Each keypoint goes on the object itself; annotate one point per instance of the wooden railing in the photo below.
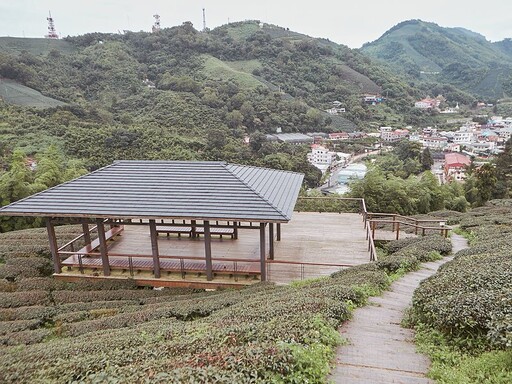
(72, 243)
(420, 226)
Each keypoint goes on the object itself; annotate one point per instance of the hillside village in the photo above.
(455, 149)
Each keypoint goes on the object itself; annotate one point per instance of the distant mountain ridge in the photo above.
(463, 58)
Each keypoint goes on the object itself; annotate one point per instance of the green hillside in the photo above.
(183, 94)
(14, 93)
(34, 46)
(456, 56)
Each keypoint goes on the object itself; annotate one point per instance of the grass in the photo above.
(217, 69)
(35, 46)
(14, 93)
(246, 66)
(468, 235)
(452, 366)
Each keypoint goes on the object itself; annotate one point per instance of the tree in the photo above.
(15, 183)
(485, 182)
(504, 172)
(426, 160)
(50, 169)
(406, 149)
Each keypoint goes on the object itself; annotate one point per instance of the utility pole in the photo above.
(204, 20)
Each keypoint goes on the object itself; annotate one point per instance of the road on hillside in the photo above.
(333, 178)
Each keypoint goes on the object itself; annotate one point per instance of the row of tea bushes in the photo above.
(408, 253)
(464, 312)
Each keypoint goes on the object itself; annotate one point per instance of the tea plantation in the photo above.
(51, 331)
(464, 312)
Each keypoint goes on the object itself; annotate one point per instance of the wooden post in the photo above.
(208, 250)
(86, 232)
(57, 267)
(397, 230)
(103, 247)
(278, 235)
(154, 248)
(373, 229)
(271, 241)
(193, 233)
(263, 263)
(235, 230)
(393, 229)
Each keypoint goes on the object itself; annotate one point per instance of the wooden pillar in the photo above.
(86, 232)
(397, 230)
(154, 248)
(208, 250)
(235, 230)
(271, 241)
(57, 267)
(263, 264)
(103, 247)
(278, 235)
(193, 233)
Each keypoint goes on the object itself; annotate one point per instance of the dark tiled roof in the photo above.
(169, 189)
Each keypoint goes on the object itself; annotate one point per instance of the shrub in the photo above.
(65, 296)
(42, 265)
(7, 286)
(18, 325)
(25, 337)
(467, 297)
(20, 299)
(43, 313)
(13, 272)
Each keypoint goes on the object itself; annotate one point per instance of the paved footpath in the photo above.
(380, 351)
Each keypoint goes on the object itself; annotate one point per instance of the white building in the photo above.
(465, 135)
(390, 135)
(321, 157)
(435, 142)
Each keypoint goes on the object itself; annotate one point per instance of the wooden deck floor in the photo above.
(328, 238)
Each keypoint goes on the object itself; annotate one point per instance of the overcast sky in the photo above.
(352, 23)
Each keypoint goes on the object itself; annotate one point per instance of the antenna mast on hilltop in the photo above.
(156, 26)
(52, 33)
(204, 20)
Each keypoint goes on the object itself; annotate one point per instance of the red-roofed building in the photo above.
(338, 136)
(455, 165)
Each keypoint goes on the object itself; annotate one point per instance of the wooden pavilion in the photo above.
(187, 200)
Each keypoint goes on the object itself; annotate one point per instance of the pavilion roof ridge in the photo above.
(230, 169)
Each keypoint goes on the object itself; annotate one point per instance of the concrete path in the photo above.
(379, 349)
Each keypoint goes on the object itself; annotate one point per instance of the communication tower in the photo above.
(204, 20)
(52, 33)
(156, 26)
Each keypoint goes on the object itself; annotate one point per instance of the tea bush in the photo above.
(407, 254)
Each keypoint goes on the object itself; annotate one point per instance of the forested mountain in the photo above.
(427, 52)
(184, 94)
(227, 70)
(181, 94)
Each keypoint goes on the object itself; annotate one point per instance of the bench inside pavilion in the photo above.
(166, 206)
